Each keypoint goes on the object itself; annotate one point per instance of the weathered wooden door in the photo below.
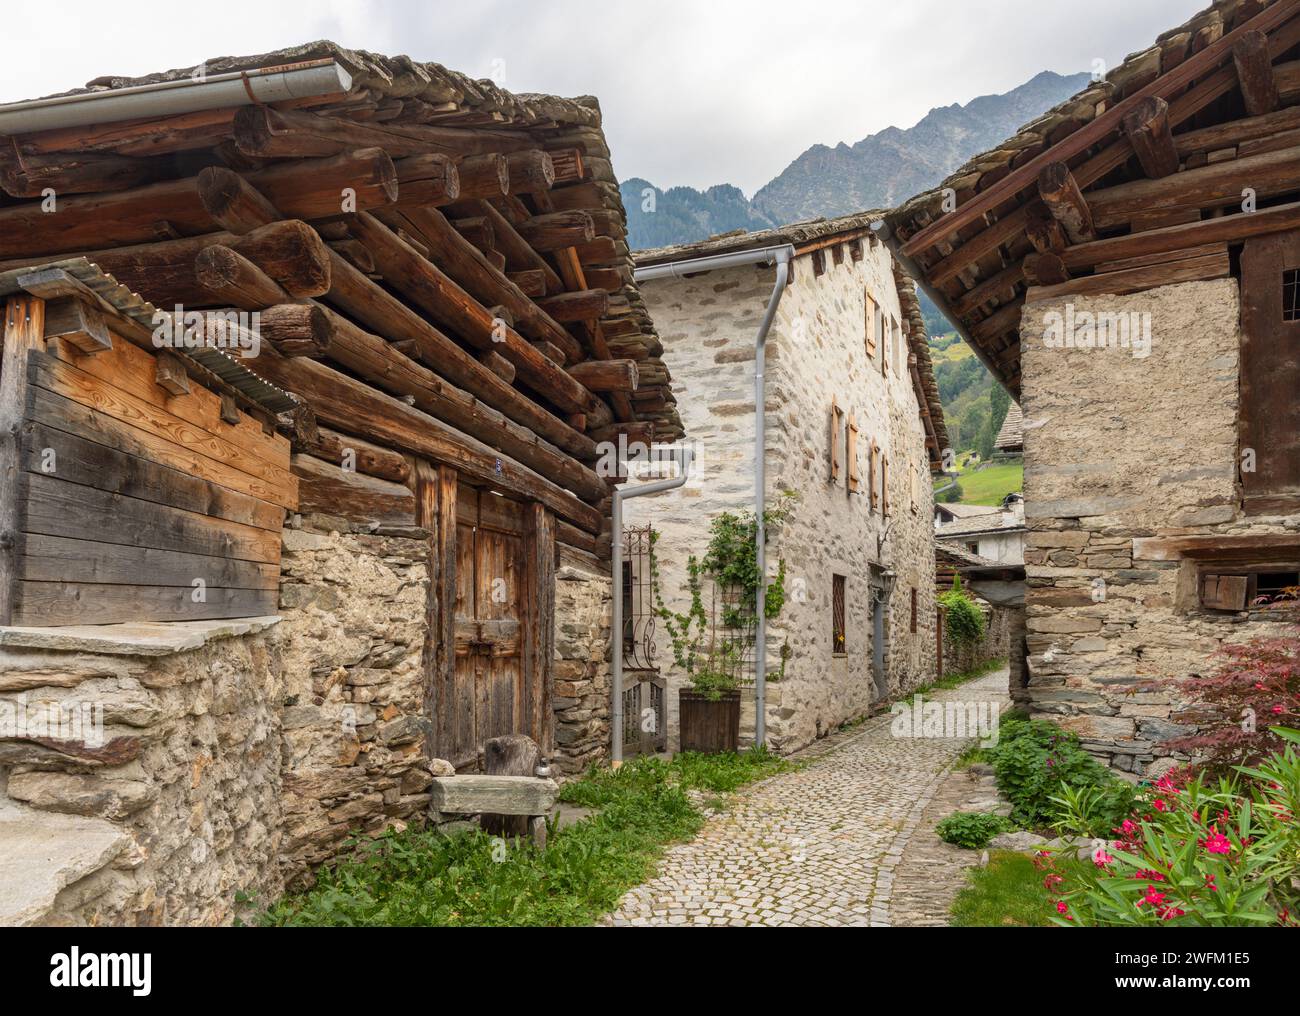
(488, 672)
(488, 661)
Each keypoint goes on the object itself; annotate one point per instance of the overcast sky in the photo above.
(694, 92)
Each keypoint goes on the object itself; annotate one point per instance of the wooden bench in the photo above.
(530, 797)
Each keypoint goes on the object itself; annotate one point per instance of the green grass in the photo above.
(1008, 893)
(424, 878)
(989, 486)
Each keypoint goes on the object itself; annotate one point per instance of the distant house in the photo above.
(996, 536)
(853, 426)
(1011, 438)
(946, 513)
(1127, 267)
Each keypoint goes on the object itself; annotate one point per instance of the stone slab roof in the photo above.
(1012, 435)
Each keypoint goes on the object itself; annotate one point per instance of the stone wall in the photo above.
(1123, 447)
(815, 354)
(581, 689)
(239, 755)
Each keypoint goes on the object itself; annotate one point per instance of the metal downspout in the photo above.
(783, 257)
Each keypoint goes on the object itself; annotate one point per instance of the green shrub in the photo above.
(965, 620)
(1033, 761)
(972, 829)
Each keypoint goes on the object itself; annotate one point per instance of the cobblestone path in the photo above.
(822, 846)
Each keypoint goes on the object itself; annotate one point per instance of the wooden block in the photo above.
(496, 795)
(170, 374)
(77, 323)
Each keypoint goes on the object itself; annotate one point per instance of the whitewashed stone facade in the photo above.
(816, 358)
(1124, 453)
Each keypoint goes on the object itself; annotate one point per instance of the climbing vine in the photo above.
(712, 653)
(965, 623)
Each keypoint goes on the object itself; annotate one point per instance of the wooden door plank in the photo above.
(539, 625)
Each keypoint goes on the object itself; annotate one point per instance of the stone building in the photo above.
(1126, 266)
(853, 428)
(266, 572)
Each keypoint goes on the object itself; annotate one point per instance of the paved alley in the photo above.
(822, 846)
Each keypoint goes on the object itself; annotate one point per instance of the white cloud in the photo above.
(693, 93)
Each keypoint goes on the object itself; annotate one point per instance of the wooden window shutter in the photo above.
(885, 339)
(819, 262)
(884, 483)
(872, 316)
(1224, 592)
(916, 490)
(875, 476)
(851, 453)
(837, 415)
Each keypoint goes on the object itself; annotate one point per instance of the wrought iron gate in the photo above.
(645, 717)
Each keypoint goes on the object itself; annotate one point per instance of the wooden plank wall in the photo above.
(130, 503)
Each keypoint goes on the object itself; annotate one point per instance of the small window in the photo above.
(973, 547)
(838, 643)
(1242, 591)
(913, 611)
(1291, 295)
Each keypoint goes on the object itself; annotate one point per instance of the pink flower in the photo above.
(1209, 884)
(1166, 785)
(1129, 827)
(1061, 908)
(1277, 710)
(1100, 858)
(1160, 804)
(1171, 912)
(1153, 897)
(1218, 843)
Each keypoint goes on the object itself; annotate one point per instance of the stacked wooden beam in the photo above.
(449, 280)
(1141, 180)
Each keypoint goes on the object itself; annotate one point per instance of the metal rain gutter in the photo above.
(169, 98)
(621, 495)
(783, 256)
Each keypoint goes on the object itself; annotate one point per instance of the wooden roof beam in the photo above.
(1064, 199)
(1148, 131)
(1255, 73)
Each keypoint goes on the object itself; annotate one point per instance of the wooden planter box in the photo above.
(708, 726)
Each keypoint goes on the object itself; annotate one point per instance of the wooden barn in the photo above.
(309, 303)
(1127, 267)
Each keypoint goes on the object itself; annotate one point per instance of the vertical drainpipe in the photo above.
(783, 258)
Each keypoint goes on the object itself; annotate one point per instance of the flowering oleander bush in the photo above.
(1197, 851)
(1257, 684)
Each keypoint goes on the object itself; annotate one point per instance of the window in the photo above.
(913, 611)
(838, 644)
(973, 546)
(819, 262)
(1291, 295)
(1241, 591)
(872, 316)
(885, 340)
